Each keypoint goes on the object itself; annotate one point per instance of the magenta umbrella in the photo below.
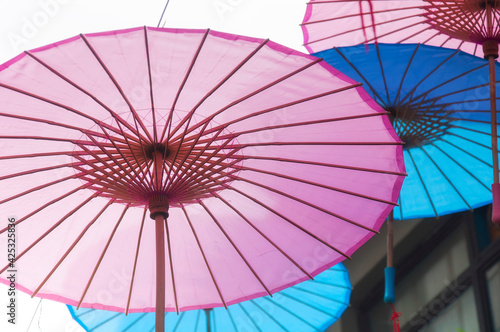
(267, 178)
(472, 26)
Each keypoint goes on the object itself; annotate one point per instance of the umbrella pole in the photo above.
(390, 271)
(207, 313)
(490, 50)
(160, 272)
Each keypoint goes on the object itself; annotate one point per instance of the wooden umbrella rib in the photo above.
(462, 167)
(189, 169)
(135, 261)
(249, 317)
(204, 256)
(106, 170)
(100, 103)
(305, 203)
(272, 109)
(72, 110)
(396, 99)
(253, 93)
(316, 184)
(298, 124)
(137, 118)
(41, 154)
(383, 73)
(135, 322)
(172, 275)
(446, 177)
(314, 163)
(370, 26)
(235, 247)
(467, 152)
(143, 178)
(241, 146)
(57, 124)
(75, 242)
(216, 87)
(357, 14)
(291, 313)
(469, 140)
(187, 120)
(423, 184)
(269, 315)
(102, 255)
(18, 221)
(38, 170)
(263, 235)
(168, 123)
(412, 91)
(291, 222)
(43, 186)
(318, 295)
(49, 231)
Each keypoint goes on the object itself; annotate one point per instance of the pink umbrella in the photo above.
(472, 26)
(266, 176)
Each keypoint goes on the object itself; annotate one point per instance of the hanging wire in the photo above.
(34, 314)
(163, 13)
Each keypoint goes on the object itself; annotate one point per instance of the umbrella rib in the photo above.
(32, 213)
(314, 163)
(467, 139)
(181, 317)
(396, 99)
(316, 184)
(383, 74)
(171, 266)
(356, 15)
(135, 322)
(48, 231)
(231, 319)
(44, 154)
(189, 170)
(313, 307)
(204, 256)
(291, 313)
(368, 26)
(215, 88)
(56, 124)
(268, 315)
(264, 236)
(462, 167)
(150, 79)
(298, 124)
(191, 113)
(102, 255)
(137, 118)
(75, 242)
(295, 102)
(43, 186)
(277, 81)
(467, 152)
(168, 124)
(304, 202)
(249, 317)
(316, 144)
(256, 275)
(135, 261)
(100, 103)
(37, 170)
(423, 184)
(373, 90)
(291, 222)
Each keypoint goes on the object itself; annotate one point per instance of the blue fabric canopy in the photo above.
(439, 102)
(313, 305)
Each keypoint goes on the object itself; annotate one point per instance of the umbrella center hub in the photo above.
(418, 126)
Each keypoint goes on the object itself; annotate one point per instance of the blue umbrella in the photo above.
(313, 305)
(439, 102)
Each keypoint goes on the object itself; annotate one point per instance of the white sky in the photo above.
(27, 24)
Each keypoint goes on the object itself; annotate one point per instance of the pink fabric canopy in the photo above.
(275, 167)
